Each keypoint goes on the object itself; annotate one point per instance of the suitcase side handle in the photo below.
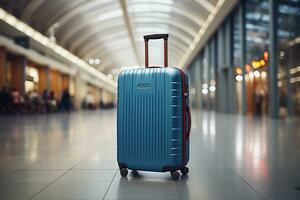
(155, 37)
(189, 123)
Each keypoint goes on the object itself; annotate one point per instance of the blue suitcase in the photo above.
(153, 118)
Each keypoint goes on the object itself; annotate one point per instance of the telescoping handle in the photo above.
(155, 37)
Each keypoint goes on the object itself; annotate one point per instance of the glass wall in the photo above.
(202, 90)
(205, 78)
(192, 84)
(221, 71)
(237, 63)
(257, 47)
(242, 42)
(288, 34)
(212, 72)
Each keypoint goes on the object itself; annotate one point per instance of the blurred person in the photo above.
(90, 100)
(101, 104)
(53, 104)
(15, 98)
(258, 101)
(4, 100)
(26, 104)
(65, 101)
(45, 97)
(296, 100)
(35, 100)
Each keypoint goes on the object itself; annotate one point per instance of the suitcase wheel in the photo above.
(123, 172)
(135, 172)
(175, 175)
(185, 170)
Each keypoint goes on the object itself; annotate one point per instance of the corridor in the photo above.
(61, 156)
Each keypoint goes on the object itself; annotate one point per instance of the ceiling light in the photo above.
(153, 1)
(97, 61)
(44, 41)
(11, 20)
(148, 7)
(28, 31)
(212, 88)
(37, 36)
(205, 85)
(264, 74)
(109, 76)
(21, 27)
(2, 14)
(205, 91)
(239, 78)
(33, 34)
(193, 91)
(251, 75)
(91, 61)
(256, 74)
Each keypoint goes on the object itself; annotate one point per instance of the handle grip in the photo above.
(155, 37)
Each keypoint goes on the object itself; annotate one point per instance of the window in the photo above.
(257, 55)
(236, 56)
(288, 34)
(32, 78)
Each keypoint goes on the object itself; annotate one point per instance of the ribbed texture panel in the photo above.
(144, 130)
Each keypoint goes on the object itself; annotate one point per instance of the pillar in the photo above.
(2, 67)
(273, 89)
(18, 65)
(97, 95)
(65, 81)
(243, 55)
(199, 70)
(80, 90)
(44, 79)
(56, 82)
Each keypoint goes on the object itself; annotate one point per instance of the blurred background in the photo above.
(242, 56)
(59, 63)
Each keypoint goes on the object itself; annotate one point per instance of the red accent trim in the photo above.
(184, 118)
(190, 122)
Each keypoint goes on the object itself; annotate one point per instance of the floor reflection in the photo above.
(231, 157)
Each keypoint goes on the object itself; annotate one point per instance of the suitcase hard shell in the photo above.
(153, 119)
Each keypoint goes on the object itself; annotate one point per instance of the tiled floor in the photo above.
(73, 156)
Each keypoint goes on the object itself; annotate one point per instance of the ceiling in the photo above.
(112, 30)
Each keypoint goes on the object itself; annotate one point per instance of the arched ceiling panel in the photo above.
(190, 31)
(83, 8)
(94, 33)
(48, 8)
(97, 44)
(178, 36)
(109, 17)
(113, 29)
(188, 12)
(81, 39)
(94, 43)
(30, 8)
(166, 16)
